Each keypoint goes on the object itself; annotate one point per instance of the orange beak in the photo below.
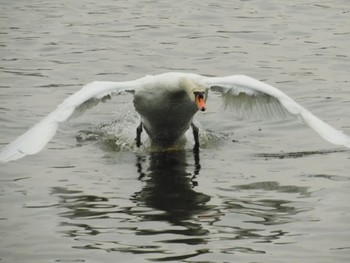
(200, 101)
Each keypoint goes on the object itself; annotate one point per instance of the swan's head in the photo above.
(200, 100)
(197, 93)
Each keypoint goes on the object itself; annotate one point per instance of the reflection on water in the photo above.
(190, 219)
(263, 211)
(169, 187)
(267, 211)
(167, 195)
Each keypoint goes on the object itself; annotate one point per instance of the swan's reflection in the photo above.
(169, 186)
(258, 211)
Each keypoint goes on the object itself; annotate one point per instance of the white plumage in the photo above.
(166, 103)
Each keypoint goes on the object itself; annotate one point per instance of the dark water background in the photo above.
(258, 191)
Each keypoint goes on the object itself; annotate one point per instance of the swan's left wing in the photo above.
(35, 139)
(244, 92)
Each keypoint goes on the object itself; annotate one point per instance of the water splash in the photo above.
(119, 135)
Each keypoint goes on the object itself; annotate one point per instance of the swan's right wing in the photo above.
(243, 91)
(35, 139)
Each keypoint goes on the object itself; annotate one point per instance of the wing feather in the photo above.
(244, 93)
(35, 139)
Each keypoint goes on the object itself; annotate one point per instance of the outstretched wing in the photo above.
(244, 93)
(35, 139)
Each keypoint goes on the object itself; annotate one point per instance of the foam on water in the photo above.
(119, 135)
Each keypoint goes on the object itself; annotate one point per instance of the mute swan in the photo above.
(167, 103)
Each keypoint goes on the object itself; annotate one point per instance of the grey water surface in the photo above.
(258, 190)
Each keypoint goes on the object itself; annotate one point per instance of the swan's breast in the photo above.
(166, 114)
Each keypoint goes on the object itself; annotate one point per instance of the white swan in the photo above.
(167, 104)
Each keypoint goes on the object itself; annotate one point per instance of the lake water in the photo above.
(258, 191)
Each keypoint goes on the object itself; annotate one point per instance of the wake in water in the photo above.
(294, 155)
